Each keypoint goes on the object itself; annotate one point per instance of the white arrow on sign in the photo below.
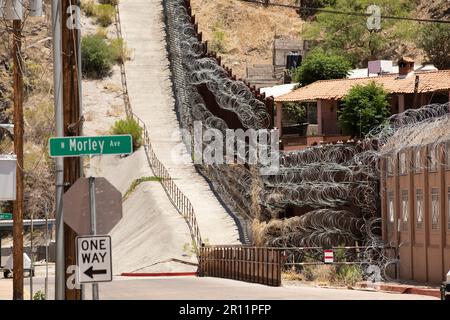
(94, 259)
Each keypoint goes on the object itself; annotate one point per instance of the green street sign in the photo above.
(85, 146)
(5, 216)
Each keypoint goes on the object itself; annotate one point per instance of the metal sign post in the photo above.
(93, 226)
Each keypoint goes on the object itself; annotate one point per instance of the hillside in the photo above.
(247, 30)
(243, 33)
(38, 112)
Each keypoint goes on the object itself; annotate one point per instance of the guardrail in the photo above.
(250, 264)
(176, 196)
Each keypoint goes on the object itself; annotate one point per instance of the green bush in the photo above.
(348, 275)
(96, 56)
(39, 295)
(88, 6)
(105, 14)
(434, 39)
(102, 32)
(129, 126)
(319, 65)
(119, 50)
(217, 43)
(365, 107)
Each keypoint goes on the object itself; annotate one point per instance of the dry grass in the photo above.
(248, 29)
(325, 275)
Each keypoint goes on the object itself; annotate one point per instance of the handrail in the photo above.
(179, 200)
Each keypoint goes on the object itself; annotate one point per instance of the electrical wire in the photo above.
(349, 13)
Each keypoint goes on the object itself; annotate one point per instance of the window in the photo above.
(434, 208)
(311, 112)
(417, 161)
(419, 208)
(405, 206)
(390, 165)
(432, 158)
(405, 209)
(391, 213)
(447, 155)
(448, 209)
(402, 163)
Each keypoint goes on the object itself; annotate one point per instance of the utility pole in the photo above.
(18, 148)
(72, 116)
(59, 124)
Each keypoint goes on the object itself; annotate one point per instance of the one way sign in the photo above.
(94, 259)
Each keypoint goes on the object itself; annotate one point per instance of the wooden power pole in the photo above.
(18, 148)
(72, 119)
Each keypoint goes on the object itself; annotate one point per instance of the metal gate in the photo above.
(250, 264)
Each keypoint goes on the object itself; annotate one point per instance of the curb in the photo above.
(403, 289)
(159, 274)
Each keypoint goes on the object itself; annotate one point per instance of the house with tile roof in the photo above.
(407, 89)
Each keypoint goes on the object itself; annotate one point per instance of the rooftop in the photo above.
(430, 81)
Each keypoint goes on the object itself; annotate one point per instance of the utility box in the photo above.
(380, 67)
(8, 178)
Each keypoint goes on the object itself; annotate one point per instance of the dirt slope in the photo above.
(248, 29)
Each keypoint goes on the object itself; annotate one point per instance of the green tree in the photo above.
(434, 39)
(348, 34)
(365, 107)
(321, 66)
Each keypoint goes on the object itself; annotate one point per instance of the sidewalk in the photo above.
(149, 85)
(405, 288)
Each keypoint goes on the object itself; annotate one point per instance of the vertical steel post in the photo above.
(59, 120)
(46, 251)
(31, 257)
(93, 214)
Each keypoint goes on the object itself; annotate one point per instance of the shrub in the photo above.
(365, 107)
(95, 56)
(129, 126)
(119, 50)
(105, 14)
(39, 295)
(218, 41)
(321, 66)
(434, 39)
(102, 33)
(348, 275)
(88, 6)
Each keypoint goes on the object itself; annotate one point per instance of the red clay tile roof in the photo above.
(336, 89)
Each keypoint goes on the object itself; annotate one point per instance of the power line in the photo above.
(350, 13)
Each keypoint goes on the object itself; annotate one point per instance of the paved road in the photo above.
(149, 85)
(192, 288)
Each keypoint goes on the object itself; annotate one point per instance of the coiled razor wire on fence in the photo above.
(335, 185)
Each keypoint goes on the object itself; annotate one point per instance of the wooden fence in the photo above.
(250, 264)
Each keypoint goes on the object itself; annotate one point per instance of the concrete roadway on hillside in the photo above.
(193, 288)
